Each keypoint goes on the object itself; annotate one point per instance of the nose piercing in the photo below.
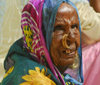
(64, 41)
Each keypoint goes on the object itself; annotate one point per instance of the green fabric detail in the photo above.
(22, 64)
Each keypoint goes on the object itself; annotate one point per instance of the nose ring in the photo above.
(64, 41)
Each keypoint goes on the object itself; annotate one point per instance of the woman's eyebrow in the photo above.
(60, 22)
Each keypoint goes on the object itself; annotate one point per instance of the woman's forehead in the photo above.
(66, 13)
(65, 7)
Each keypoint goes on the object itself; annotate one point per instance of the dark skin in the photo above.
(96, 5)
(66, 23)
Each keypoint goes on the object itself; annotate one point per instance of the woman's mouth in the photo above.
(69, 53)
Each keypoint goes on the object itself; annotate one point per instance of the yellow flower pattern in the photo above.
(69, 83)
(8, 72)
(28, 36)
(37, 77)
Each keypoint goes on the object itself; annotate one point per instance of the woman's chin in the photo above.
(72, 63)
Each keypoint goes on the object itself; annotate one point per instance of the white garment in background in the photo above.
(90, 20)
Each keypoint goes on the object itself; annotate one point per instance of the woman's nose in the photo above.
(68, 42)
(72, 33)
(74, 36)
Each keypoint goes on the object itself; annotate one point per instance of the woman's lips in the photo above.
(72, 53)
(69, 53)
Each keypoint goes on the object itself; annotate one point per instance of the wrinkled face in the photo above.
(66, 37)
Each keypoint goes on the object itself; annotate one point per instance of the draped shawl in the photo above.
(37, 23)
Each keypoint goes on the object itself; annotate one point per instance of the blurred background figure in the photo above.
(89, 13)
(10, 31)
(95, 4)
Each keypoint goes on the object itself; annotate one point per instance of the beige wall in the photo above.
(10, 27)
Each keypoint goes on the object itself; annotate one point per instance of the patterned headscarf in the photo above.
(37, 23)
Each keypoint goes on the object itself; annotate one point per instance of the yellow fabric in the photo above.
(9, 71)
(37, 77)
(28, 36)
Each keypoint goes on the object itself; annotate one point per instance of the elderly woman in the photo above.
(50, 46)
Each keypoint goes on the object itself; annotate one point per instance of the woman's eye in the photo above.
(74, 26)
(59, 28)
